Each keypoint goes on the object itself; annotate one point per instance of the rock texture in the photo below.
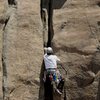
(3, 5)
(76, 25)
(76, 39)
(22, 50)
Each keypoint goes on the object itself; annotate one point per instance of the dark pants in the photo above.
(48, 89)
(61, 85)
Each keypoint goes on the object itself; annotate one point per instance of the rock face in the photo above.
(76, 25)
(22, 50)
(76, 39)
(2, 21)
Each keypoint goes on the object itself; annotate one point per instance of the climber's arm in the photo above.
(59, 63)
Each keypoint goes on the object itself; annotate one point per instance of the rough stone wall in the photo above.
(3, 7)
(76, 39)
(22, 49)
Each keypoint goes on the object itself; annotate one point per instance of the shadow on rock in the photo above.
(41, 91)
(95, 63)
(98, 93)
(57, 4)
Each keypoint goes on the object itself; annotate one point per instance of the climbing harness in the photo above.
(53, 74)
(56, 79)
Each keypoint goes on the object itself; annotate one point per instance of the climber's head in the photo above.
(49, 51)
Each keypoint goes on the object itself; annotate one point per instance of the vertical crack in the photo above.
(47, 14)
(4, 63)
(41, 90)
(12, 2)
(6, 21)
(4, 80)
(48, 6)
(50, 23)
(43, 16)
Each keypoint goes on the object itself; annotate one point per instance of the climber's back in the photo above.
(50, 60)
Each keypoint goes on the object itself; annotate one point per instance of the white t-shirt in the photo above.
(50, 61)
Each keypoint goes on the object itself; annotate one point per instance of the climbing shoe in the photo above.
(58, 91)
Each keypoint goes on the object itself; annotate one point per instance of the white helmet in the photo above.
(49, 50)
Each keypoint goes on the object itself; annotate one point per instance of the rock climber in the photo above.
(51, 61)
